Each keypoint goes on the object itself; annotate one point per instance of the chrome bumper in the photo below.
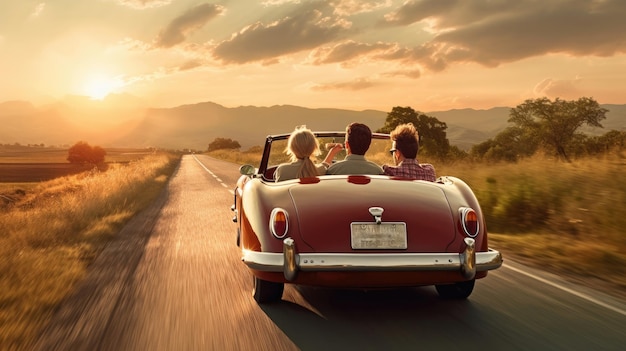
(290, 262)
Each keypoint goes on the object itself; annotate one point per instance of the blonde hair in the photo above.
(303, 144)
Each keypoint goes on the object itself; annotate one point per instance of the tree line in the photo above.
(551, 126)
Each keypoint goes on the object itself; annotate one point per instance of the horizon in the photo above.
(105, 102)
(192, 126)
(365, 55)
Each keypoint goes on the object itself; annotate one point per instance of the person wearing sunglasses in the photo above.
(405, 144)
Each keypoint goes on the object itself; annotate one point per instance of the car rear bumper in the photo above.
(290, 262)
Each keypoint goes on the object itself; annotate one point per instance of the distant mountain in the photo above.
(122, 121)
(467, 127)
(195, 126)
(9, 108)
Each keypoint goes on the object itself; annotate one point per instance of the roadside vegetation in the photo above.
(563, 217)
(53, 230)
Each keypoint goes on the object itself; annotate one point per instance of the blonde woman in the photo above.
(301, 147)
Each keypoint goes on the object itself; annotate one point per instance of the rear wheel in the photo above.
(456, 291)
(265, 291)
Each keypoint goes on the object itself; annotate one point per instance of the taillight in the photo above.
(279, 223)
(469, 221)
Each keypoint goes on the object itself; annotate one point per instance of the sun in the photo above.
(97, 88)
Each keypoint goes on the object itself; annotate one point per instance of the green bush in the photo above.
(523, 208)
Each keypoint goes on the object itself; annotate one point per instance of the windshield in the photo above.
(378, 151)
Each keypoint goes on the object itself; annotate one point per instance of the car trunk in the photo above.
(325, 211)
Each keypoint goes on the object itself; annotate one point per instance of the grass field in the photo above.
(53, 230)
(59, 155)
(29, 164)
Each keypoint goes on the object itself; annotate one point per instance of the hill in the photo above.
(120, 121)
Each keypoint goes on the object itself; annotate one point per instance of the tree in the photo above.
(432, 132)
(613, 140)
(509, 145)
(83, 153)
(223, 143)
(555, 123)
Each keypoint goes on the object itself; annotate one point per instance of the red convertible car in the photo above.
(358, 231)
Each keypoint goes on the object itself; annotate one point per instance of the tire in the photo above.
(266, 292)
(456, 291)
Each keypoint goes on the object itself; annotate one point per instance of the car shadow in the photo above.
(389, 319)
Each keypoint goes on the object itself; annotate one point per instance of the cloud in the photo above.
(38, 10)
(409, 73)
(353, 7)
(448, 14)
(565, 89)
(279, 2)
(191, 64)
(144, 4)
(341, 7)
(492, 33)
(309, 27)
(181, 27)
(358, 84)
(350, 50)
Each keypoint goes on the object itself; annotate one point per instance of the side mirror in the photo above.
(247, 170)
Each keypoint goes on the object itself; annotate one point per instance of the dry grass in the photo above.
(240, 158)
(59, 155)
(568, 218)
(51, 235)
(595, 264)
(584, 199)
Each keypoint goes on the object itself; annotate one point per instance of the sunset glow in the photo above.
(372, 54)
(99, 87)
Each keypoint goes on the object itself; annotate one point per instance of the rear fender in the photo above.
(464, 197)
(259, 198)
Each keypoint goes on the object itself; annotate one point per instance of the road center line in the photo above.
(211, 173)
(570, 291)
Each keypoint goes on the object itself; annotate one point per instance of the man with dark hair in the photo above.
(358, 140)
(405, 144)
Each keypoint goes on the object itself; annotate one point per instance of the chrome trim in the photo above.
(290, 267)
(468, 259)
(290, 262)
(377, 213)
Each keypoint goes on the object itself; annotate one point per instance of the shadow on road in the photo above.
(375, 319)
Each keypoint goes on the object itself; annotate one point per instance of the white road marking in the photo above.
(211, 173)
(568, 290)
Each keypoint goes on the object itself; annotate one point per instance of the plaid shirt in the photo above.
(410, 168)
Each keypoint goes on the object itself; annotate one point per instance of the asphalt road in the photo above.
(174, 281)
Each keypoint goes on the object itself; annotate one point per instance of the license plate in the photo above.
(387, 235)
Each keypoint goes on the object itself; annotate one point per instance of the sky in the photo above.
(431, 55)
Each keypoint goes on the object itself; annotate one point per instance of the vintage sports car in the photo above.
(358, 231)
